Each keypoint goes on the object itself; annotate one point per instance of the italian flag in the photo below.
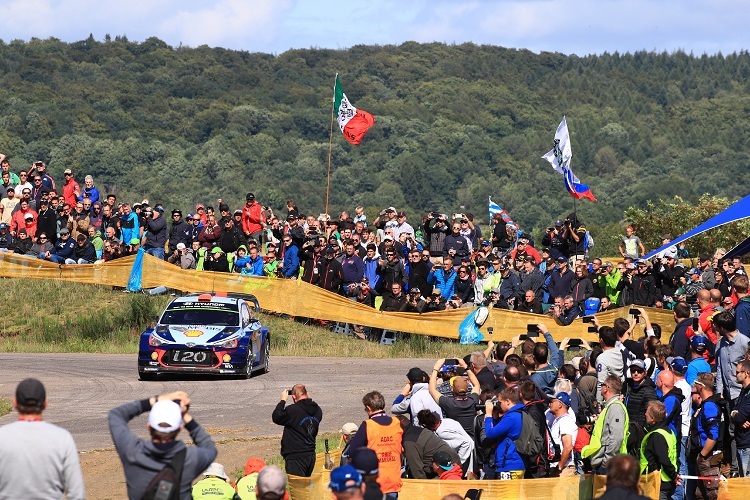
(354, 123)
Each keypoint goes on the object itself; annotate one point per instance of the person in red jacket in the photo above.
(71, 188)
(253, 218)
(444, 467)
(18, 220)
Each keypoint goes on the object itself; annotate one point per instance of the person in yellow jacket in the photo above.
(247, 484)
(214, 485)
(659, 449)
(610, 434)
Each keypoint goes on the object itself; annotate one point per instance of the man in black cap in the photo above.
(253, 218)
(708, 275)
(179, 232)
(37, 459)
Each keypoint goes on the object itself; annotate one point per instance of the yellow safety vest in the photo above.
(671, 440)
(596, 436)
(246, 486)
(213, 488)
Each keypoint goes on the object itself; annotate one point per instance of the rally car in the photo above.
(207, 333)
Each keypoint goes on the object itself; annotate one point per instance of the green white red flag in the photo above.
(354, 123)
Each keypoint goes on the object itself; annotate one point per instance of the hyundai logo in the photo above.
(190, 344)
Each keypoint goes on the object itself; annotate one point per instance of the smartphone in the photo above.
(696, 325)
(634, 312)
(490, 330)
(592, 329)
(523, 337)
(450, 362)
(288, 392)
(532, 328)
(586, 319)
(575, 343)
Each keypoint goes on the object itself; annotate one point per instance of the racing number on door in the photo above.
(189, 356)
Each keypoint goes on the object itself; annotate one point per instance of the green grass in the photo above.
(56, 316)
(5, 406)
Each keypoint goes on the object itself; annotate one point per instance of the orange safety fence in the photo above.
(298, 298)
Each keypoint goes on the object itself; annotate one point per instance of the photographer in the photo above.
(554, 240)
(436, 229)
(143, 459)
(181, 257)
(312, 260)
(456, 245)
(415, 302)
(216, 260)
(461, 407)
(434, 302)
(574, 233)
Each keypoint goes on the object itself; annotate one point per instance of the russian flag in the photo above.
(495, 208)
(575, 188)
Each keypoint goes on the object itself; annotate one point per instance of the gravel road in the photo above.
(82, 388)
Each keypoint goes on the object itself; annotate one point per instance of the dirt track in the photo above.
(82, 388)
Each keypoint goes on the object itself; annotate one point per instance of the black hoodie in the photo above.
(301, 421)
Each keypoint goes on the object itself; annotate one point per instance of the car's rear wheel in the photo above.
(147, 376)
(267, 356)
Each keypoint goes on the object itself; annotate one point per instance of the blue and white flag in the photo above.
(497, 209)
(559, 157)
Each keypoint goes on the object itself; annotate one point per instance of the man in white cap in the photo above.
(143, 459)
(37, 459)
(214, 485)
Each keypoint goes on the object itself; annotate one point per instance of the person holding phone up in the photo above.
(301, 421)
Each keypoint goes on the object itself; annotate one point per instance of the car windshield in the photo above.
(202, 316)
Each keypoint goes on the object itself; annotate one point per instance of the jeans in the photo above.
(157, 252)
(57, 259)
(679, 492)
(743, 461)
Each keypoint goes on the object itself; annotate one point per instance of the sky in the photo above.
(274, 26)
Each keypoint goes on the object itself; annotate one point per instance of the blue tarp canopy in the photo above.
(740, 250)
(733, 213)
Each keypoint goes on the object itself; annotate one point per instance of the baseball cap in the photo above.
(64, 230)
(576, 362)
(390, 209)
(134, 241)
(485, 242)
(443, 459)
(165, 416)
(698, 343)
(28, 216)
(67, 171)
(177, 211)
(415, 290)
(249, 196)
(349, 429)
(254, 464)
(695, 270)
(563, 397)
(344, 478)
(562, 259)
(330, 249)
(272, 480)
(181, 246)
(638, 364)
(495, 290)
(365, 460)
(159, 209)
(415, 375)
(388, 237)
(199, 205)
(30, 392)
(291, 217)
(678, 364)
(215, 469)
(558, 223)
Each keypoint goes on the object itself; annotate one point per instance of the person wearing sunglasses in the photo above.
(740, 417)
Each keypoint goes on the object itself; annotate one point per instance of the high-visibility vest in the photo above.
(385, 440)
(246, 486)
(671, 440)
(596, 436)
(214, 488)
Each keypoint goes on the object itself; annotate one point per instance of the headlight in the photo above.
(231, 343)
(155, 341)
(228, 330)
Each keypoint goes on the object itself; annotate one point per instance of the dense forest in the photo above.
(454, 125)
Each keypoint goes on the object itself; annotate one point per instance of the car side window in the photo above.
(245, 315)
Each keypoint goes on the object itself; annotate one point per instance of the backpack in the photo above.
(530, 442)
(165, 485)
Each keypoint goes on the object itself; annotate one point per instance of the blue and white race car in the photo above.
(205, 333)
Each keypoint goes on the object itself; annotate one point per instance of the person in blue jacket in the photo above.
(64, 248)
(251, 265)
(89, 191)
(444, 279)
(697, 364)
(129, 224)
(503, 428)
(291, 258)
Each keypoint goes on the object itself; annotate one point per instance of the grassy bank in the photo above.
(5, 406)
(53, 316)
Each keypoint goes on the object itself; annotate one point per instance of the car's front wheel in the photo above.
(267, 356)
(249, 365)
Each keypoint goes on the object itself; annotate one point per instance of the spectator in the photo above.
(558, 246)
(348, 431)
(610, 434)
(346, 483)
(740, 416)
(366, 462)
(672, 397)
(301, 421)
(214, 485)
(581, 287)
(622, 479)
(445, 467)
(452, 433)
(290, 268)
(271, 484)
(89, 191)
(456, 247)
(561, 280)
(569, 312)
(482, 283)
(502, 425)
(706, 437)
(247, 484)
(461, 407)
(85, 253)
(415, 396)
(253, 218)
(729, 352)
(143, 459)
(231, 237)
(742, 309)
(697, 364)
(610, 361)
(382, 434)
(478, 365)
(530, 304)
(436, 229)
(679, 340)
(391, 270)
(129, 224)
(563, 431)
(546, 361)
(531, 279)
(29, 441)
(394, 300)
(510, 288)
(631, 245)
(658, 451)
(444, 278)
(182, 257)
(420, 445)
(353, 268)
(639, 391)
(64, 248)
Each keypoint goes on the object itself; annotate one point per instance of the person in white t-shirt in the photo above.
(563, 429)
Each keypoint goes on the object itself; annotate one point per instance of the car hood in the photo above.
(196, 334)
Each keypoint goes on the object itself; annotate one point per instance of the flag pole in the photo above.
(330, 146)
